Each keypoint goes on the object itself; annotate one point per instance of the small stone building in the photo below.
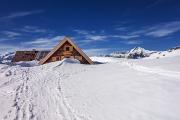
(25, 56)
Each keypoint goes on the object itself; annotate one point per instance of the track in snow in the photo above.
(40, 96)
(23, 102)
(152, 70)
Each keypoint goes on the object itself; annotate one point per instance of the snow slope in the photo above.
(6, 57)
(120, 89)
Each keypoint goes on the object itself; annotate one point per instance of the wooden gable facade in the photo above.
(66, 49)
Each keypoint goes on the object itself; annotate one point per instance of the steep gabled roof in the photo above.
(42, 61)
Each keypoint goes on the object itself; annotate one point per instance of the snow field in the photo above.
(119, 89)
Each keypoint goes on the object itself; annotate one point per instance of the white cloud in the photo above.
(4, 39)
(159, 30)
(43, 43)
(11, 34)
(139, 32)
(96, 37)
(84, 32)
(91, 36)
(45, 40)
(39, 41)
(126, 37)
(133, 42)
(164, 29)
(160, 33)
(20, 14)
(33, 29)
(121, 28)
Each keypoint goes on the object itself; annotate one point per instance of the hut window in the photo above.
(62, 57)
(78, 57)
(71, 48)
(67, 48)
(53, 59)
(57, 58)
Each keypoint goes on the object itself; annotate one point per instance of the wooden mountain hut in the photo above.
(66, 49)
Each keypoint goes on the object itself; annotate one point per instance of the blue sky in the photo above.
(96, 26)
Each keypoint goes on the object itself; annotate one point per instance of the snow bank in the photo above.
(27, 63)
(70, 61)
(104, 59)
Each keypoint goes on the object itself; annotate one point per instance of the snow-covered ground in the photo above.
(119, 89)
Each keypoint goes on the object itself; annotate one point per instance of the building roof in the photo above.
(42, 61)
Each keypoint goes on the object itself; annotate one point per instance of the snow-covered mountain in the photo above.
(139, 52)
(134, 53)
(6, 57)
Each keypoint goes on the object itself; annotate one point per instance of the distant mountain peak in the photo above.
(136, 52)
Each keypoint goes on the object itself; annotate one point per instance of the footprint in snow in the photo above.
(8, 73)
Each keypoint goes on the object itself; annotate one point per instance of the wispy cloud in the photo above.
(133, 42)
(164, 29)
(96, 37)
(83, 32)
(3, 39)
(11, 34)
(159, 30)
(20, 14)
(43, 43)
(92, 36)
(126, 37)
(23, 32)
(121, 28)
(33, 29)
